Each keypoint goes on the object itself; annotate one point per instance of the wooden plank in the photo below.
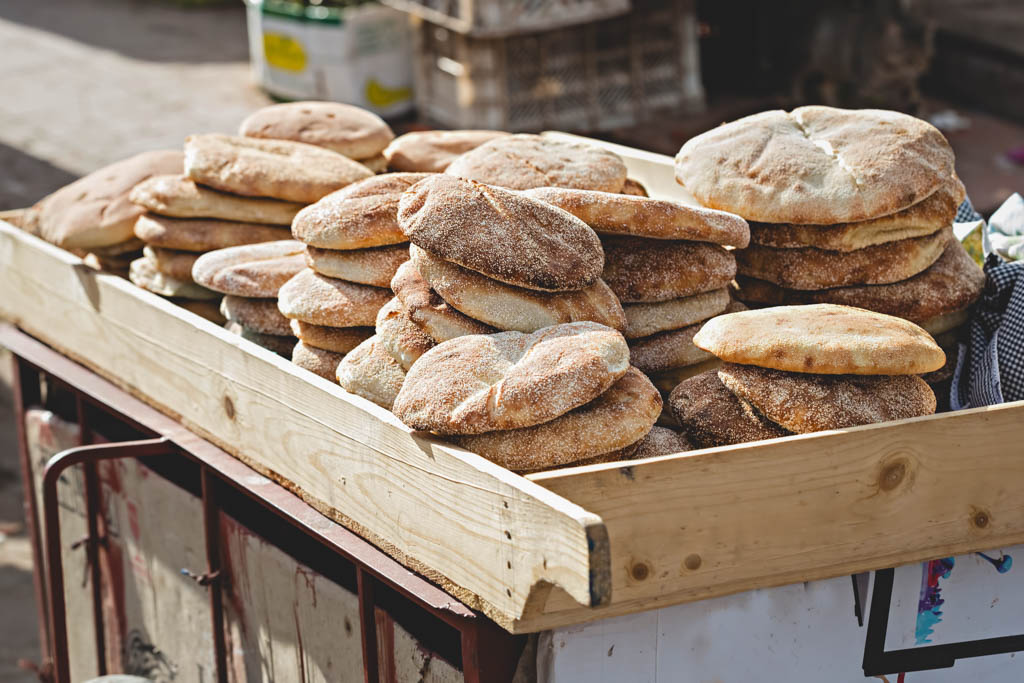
(803, 508)
(492, 538)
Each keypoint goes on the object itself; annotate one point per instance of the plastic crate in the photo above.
(597, 76)
(493, 18)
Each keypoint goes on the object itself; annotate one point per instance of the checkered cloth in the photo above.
(965, 213)
(990, 366)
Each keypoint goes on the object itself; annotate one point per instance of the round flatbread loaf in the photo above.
(370, 371)
(948, 286)
(635, 188)
(364, 214)
(431, 151)
(374, 266)
(258, 315)
(661, 441)
(314, 298)
(199, 234)
(823, 339)
(502, 234)
(180, 197)
(281, 345)
(95, 211)
(927, 217)
(643, 320)
(507, 307)
(343, 128)
(619, 417)
(171, 262)
(377, 164)
(805, 403)
(292, 171)
(116, 251)
(253, 270)
(318, 361)
(509, 380)
(711, 415)
(400, 336)
(427, 309)
(620, 214)
(337, 339)
(643, 270)
(519, 162)
(667, 350)
(667, 380)
(142, 273)
(810, 268)
(816, 165)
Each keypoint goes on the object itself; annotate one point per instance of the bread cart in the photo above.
(731, 563)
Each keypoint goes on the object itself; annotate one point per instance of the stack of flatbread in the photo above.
(799, 369)
(845, 207)
(432, 151)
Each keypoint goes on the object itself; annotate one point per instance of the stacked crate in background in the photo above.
(487, 64)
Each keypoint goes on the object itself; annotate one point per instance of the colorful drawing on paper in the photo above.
(929, 612)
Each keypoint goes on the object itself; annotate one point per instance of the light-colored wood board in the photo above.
(486, 535)
(802, 508)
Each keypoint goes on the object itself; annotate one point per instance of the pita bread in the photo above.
(643, 270)
(507, 307)
(805, 403)
(314, 298)
(342, 128)
(711, 415)
(431, 151)
(661, 441)
(429, 311)
(519, 162)
(620, 214)
(619, 417)
(816, 165)
(480, 383)
(318, 361)
(281, 345)
(374, 266)
(175, 264)
(667, 350)
(635, 188)
(180, 197)
(400, 336)
(142, 273)
(258, 315)
(199, 234)
(370, 371)
(501, 234)
(643, 320)
(337, 339)
(667, 380)
(292, 171)
(252, 270)
(822, 339)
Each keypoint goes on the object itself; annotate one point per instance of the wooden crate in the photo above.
(493, 18)
(545, 550)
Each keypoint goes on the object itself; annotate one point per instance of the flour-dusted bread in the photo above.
(143, 274)
(375, 266)
(805, 403)
(618, 418)
(337, 339)
(178, 196)
(364, 214)
(501, 234)
(171, 262)
(711, 415)
(280, 344)
(646, 270)
(645, 319)
(320, 300)
(253, 270)
(621, 214)
(202, 234)
(480, 383)
(259, 315)
(370, 371)
(318, 361)
(431, 151)
(400, 336)
(520, 162)
(816, 165)
(823, 339)
(342, 128)
(667, 350)
(282, 169)
(507, 307)
(634, 187)
(429, 311)
(661, 441)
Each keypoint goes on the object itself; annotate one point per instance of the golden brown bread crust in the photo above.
(507, 307)
(178, 196)
(619, 417)
(94, 211)
(431, 151)
(252, 270)
(318, 361)
(635, 188)
(343, 128)
(667, 350)
(400, 336)
(810, 268)
(502, 234)
(200, 234)
(427, 309)
(282, 169)
(370, 371)
(643, 320)
(519, 162)
(363, 214)
(950, 284)
(337, 339)
(667, 380)
(374, 266)
(711, 415)
(281, 345)
(644, 270)
(481, 383)
(805, 403)
(661, 441)
(821, 339)
(620, 214)
(314, 298)
(142, 273)
(928, 216)
(815, 165)
(171, 262)
(258, 315)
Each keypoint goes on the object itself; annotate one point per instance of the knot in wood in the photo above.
(980, 519)
(640, 571)
(693, 562)
(892, 475)
(229, 408)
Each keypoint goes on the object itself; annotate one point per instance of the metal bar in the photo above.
(211, 525)
(51, 476)
(367, 626)
(93, 536)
